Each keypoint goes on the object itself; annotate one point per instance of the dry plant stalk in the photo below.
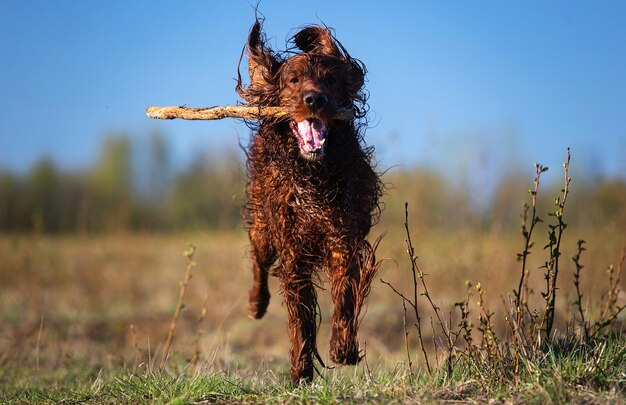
(228, 111)
(367, 365)
(465, 325)
(180, 305)
(611, 310)
(406, 338)
(522, 320)
(133, 336)
(579, 296)
(521, 296)
(418, 274)
(490, 344)
(555, 235)
(199, 333)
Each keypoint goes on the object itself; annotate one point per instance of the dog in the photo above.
(312, 191)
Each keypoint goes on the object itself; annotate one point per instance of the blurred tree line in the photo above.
(437, 203)
(129, 191)
(125, 191)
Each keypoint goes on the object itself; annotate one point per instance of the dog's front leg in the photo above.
(263, 256)
(344, 277)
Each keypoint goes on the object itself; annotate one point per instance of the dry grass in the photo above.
(72, 300)
(121, 317)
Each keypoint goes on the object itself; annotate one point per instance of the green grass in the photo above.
(568, 373)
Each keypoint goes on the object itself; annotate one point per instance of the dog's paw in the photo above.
(344, 352)
(257, 303)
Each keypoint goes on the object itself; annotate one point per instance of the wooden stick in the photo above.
(228, 111)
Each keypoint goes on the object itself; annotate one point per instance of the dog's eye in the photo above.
(294, 80)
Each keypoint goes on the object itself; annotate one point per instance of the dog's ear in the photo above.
(316, 39)
(262, 64)
(262, 68)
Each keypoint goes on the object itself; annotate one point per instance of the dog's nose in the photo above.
(315, 100)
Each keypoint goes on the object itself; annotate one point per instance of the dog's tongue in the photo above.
(312, 132)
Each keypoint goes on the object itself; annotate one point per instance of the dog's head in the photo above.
(314, 80)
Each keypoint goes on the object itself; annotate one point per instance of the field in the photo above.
(85, 318)
(97, 306)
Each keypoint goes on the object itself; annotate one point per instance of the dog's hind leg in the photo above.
(263, 256)
(301, 302)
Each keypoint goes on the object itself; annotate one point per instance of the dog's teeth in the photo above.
(322, 141)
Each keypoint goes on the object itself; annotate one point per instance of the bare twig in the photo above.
(527, 231)
(199, 333)
(579, 296)
(611, 310)
(554, 245)
(411, 252)
(367, 366)
(228, 111)
(180, 305)
(133, 336)
(406, 338)
(611, 297)
(417, 274)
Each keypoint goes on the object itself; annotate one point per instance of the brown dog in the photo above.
(312, 194)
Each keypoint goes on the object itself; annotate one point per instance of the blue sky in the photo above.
(469, 88)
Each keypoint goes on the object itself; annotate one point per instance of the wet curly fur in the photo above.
(312, 194)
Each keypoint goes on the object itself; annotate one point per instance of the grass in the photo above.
(89, 291)
(89, 319)
(85, 350)
(568, 373)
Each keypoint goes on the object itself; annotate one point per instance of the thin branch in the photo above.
(417, 273)
(527, 233)
(398, 293)
(415, 270)
(579, 296)
(555, 250)
(199, 333)
(180, 305)
(406, 338)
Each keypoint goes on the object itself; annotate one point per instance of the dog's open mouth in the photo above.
(311, 134)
